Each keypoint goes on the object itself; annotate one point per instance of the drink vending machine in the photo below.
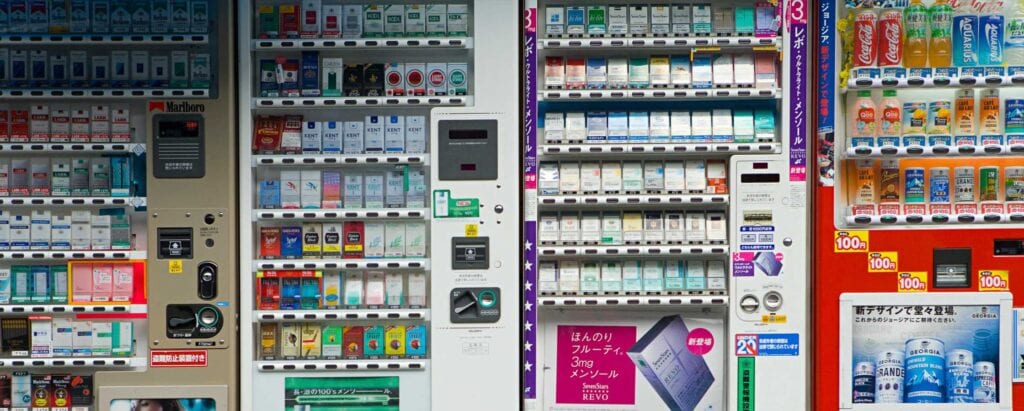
(665, 238)
(918, 201)
(117, 230)
(379, 223)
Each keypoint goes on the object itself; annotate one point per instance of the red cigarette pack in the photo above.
(270, 242)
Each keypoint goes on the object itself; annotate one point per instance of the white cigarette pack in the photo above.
(554, 127)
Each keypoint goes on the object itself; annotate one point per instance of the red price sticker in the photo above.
(851, 241)
(912, 282)
(883, 262)
(993, 280)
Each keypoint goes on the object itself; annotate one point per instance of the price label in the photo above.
(883, 262)
(993, 280)
(851, 241)
(912, 282)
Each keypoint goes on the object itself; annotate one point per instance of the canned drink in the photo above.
(925, 370)
(991, 51)
(890, 37)
(984, 384)
(889, 377)
(940, 117)
(938, 185)
(959, 376)
(889, 181)
(866, 44)
(864, 383)
(915, 117)
(963, 181)
(1013, 181)
(914, 185)
(988, 184)
(865, 182)
(965, 41)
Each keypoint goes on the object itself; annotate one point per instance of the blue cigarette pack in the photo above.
(291, 242)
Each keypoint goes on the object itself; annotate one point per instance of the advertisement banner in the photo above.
(341, 393)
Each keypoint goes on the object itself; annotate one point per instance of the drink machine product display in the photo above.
(117, 233)
(917, 204)
(380, 195)
(665, 242)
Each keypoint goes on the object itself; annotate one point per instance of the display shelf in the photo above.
(342, 315)
(74, 39)
(657, 42)
(73, 255)
(264, 160)
(92, 362)
(73, 201)
(360, 44)
(695, 149)
(935, 219)
(103, 93)
(331, 102)
(342, 214)
(933, 83)
(661, 94)
(586, 301)
(340, 365)
(935, 151)
(73, 309)
(49, 148)
(633, 251)
(633, 199)
(351, 264)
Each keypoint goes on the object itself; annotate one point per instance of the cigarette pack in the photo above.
(723, 71)
(590, 177)
(269, 297)
(42, 390)
(179, 69)
(660, 127)
(353, 239)
(654, 176)
(332, 239)
(394, 134)
(611, 276)
(16, 337)
(200, 72)
(618, 20)
(102, 282)
(681, 20)
(99, 126)
(611, 177)
(716, 226)
(291, 242)
(696, 176)
(310, 193)
(331, 187)
(309, 81)
(394, 193)
(331, 136)
(654, 229)
(765, 71)
(332, 76)
(554, 72)
(102, 339)
(309, 26)
(5, 285)
(40, 230)
(653, 275)
(632, 176)
(21, 232)
(40, 169)
(437, 20)
(38, 68)
(716, 176)
(415, 20)
(374, 240)
(639, 72)
(120, 124)
(590, 277)
(63, 337)
(60, 233)
(701, 126)
(353, 194)
(394, 20)
(79, 127)
(290, 20)
(82, 340)
(549, 226)
(394, 293)
(680, 126)
(696, 227)
(352, 137)
(268, 341)
(569, 228)
(311, 341)
(661, 20)
(632, 276)
(417, 289)
(639, 20)
(352, 21)
(353, 288)
(18, 59)
(416, 341)
(39, 124)
(312, 240)
(660, 71)
(331, 347)
(290, 342)
(458, 79)
(332, 289)
(415, 239)
(374, 192)
(597, 73)
(743, 70)
(59, 75)
(764, 125)
(554, 21)
(632, 227)
(618, 126)
(81, 230)
(702, 74)
(675, 233)
(678, 375)
(21, 388)
(597, 127)
(618, 73)
(554, 127)
(575, 126)
(569, 276)
(40, 284)
(120, 68)
(269, 194)
(5, 135)
(373, 342)
(373, 137)
(458, 20)
(312, 137)
(373, 20)
(547, 277)
(5, 177)
(743, 126)
(437, 79)
(721, 125)
(701, 19)
(139, 68)
(680, 71)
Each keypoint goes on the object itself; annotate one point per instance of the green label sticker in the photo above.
(447, 207)
(745, 374)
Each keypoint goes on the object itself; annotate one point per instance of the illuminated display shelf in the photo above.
(546, 201)
(61, 148)
(265, 160)
(351, 264)
(73, 201)
(77, 362)
(632, 251)
(341, 365)
(417, 314)
(644, 301)
(75, 39)
(341, 214)
(657, 42)
(935, 151)
(103, 93)
(73, 255)
(260, 103)
(662, 94)
(688, 149)
(73, 309)
(337, 44)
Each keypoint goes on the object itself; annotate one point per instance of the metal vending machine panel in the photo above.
(379, 205)
(665, 240)
(915, 218)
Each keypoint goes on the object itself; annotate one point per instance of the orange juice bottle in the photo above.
(940, 49)
(964, 123)
(915, 46)
(990, 116)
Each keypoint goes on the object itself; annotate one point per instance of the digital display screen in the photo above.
(467, 134)
(760, 178)
(179, 129)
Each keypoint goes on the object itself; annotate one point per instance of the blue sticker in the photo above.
(767, 345)
(222, 303)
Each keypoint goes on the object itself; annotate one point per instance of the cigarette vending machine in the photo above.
(117, 233)
(380, 189)
(665, 241)
(918, 204)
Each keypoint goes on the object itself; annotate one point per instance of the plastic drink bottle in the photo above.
(965, 40)
(1013, 48)
(941, 21)
(990, 52)
(865, 115)
(892, 114)
(915, 45)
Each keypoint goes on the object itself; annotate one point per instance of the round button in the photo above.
(772, 301)
(749, 303)
(208, 317)
(487, 299)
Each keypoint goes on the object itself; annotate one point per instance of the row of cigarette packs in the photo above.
(331, 77)
(292, 134)
(397, 187)
(700, 19)
(117, 68)
(936, 190)
(351, 289)
(701, 71)
(20, 390)
(63, 176)
(105, 16)
(698, 126)
(650, 177)
(315, 341)
(312, 19)
(631, 276)
(57, 123)
(42, 337)
(90, 283)
(633, 227)
(351, 239)
(110, 229)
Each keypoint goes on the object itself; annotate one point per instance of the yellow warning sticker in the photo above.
(472, 230)
(175, 267)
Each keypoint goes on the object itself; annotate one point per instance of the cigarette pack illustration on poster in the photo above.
(668, 362)
(915, 353)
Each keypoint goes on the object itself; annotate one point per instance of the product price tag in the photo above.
(883, 262)
(912, 282)
(851, 241)
(993, 280)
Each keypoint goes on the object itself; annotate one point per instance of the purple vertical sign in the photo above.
(530, 222)
(797, 26)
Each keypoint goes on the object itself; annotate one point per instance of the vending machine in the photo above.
(918, 205)
(117, 182)
(379, 204)
(665, 238)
